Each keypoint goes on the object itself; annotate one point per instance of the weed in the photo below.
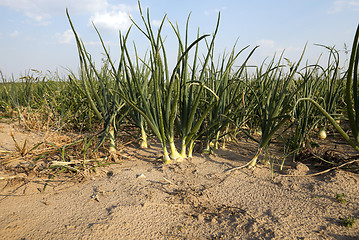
(341, 198)
(348, 221)
(21, 150)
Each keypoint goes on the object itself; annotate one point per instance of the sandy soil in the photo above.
(141, 198)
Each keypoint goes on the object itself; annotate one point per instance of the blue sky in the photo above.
(35, 34)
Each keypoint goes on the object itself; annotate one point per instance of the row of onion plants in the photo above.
(199, 99)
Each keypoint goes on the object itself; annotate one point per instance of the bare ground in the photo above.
(140, 198)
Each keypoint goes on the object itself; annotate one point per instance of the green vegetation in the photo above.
(200, 100)
(341, 198)
(348, 221)
(351, 99)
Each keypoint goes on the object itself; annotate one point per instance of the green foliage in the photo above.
(348, 221)
(199, 99)
(351, 97)
(341, 198)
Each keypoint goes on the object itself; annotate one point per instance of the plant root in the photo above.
(322, 172)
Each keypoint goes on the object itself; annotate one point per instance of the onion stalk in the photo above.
(351, 98)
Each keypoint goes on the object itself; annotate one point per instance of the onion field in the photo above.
(203, 102)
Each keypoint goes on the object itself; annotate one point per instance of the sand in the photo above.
(141, 198)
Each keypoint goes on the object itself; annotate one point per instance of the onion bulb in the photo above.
(322, 134)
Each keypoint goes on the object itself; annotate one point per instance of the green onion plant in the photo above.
(351, 99)
(97, 86)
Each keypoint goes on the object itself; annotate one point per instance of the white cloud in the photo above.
(66, 37)
(41, 11)
(93, 43)
(269, 47)
(215, 11)
(341, 5)
(89, 6)
(98, 43)
(14, 33)
(56, 6)
(156, 23)
(37, 10)
(111, 20)
(41, 19)
(265, 43)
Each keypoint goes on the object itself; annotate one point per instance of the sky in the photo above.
(36, 34)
